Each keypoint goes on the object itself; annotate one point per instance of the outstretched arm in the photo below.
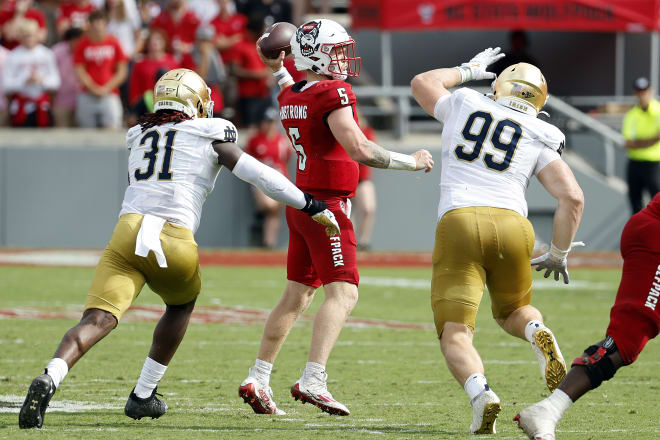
(430, 86)
(348, 134)
(272, 183)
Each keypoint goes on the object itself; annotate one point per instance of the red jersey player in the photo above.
(634, 320)
(319, 117)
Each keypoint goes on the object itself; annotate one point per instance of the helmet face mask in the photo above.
(343, 61)
(521, 87)
(185, 91)
(324, 47)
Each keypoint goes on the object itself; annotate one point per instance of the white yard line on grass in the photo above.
(12, 404)
(425, 284)
(85, 258)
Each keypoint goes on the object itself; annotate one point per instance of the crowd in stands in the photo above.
(93, 63)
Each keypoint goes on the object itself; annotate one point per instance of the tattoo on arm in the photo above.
(380, 157)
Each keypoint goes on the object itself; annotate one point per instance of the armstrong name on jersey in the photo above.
(293, 112)
(489, 152)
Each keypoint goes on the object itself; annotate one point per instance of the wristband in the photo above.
(465, 73)
(558, 254)
(400, 161)
(282, 76)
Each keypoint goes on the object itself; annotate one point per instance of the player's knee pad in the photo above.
(598, 362)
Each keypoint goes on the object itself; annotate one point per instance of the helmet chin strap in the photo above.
(192, 107)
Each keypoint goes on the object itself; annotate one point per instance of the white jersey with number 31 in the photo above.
(173, 167)
(489, 152)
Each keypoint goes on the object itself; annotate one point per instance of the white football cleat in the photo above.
(318, 395)
(485, 408)
(551, 362)
(259, 397)
(538, 421)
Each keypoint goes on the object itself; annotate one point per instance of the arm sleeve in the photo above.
(442, 108)
(269, 181)
(547, 156)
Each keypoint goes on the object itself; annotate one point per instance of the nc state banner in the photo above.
(567, 15)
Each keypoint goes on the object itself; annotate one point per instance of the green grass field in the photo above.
(393, 380)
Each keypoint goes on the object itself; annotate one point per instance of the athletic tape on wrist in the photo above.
(282, 76)
(400, 161)
(464, 72)
(558, 254)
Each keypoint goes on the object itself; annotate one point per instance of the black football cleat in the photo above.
(36, 402)
(151, 406)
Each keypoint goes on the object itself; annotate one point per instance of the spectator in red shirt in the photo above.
(179, 24)
(100, 67)
(365, 195)
(254, 77)
(272, 148)
(73, 14)
(229, 28)
(11, 13)
(143, 75)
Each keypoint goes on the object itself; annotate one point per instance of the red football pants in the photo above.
(635, 316)
(314, 258)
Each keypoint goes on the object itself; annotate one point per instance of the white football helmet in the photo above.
(324, 47)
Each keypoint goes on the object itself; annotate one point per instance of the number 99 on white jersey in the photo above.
(489, 152)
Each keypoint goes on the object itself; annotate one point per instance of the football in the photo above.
(276, 39)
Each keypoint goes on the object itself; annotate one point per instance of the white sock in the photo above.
(560, 401)
(57, 370)
(313, 370)
(261, 371)
(531, 328)
(152, 372)
(475, 385)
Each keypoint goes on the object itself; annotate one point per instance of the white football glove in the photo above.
(327, 219)
(475, 69)
(555, 261)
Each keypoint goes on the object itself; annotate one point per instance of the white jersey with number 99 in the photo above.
(489, 152)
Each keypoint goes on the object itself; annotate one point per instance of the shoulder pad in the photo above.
(132, 134)
(551, 136)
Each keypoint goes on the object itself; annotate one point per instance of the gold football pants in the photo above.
(480, 246)
(120, 274)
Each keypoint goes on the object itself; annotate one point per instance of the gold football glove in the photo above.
(327, 219)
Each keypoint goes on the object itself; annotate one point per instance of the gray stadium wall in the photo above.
(64, 189)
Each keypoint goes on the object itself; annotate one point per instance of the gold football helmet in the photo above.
(521, 87)
(185, 91)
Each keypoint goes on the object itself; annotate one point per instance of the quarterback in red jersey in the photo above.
(319, 117)
(634, 320)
